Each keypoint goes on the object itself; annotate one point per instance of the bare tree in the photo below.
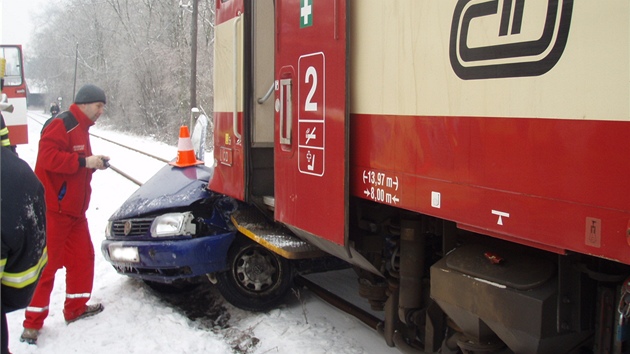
(138, 50)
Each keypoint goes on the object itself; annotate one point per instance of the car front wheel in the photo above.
(257, 279)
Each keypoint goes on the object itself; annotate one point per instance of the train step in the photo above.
(273, 236)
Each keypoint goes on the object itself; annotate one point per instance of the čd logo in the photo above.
(508, 38)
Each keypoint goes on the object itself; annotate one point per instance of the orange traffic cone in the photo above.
(185, 152)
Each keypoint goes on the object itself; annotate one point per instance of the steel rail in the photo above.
(360, 314)
(340, 303)
(130, 148)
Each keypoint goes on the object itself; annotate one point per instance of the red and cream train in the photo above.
(470, 158)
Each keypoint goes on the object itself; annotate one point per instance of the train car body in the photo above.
(469, 157)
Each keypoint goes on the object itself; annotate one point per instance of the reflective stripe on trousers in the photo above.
(37, 309)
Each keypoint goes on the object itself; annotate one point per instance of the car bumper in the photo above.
(169, 260)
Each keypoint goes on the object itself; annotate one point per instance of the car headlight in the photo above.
(173, 224)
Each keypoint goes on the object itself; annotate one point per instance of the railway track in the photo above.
(130, 148)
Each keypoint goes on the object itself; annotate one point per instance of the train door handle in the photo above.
(286, 111)
(264, 98)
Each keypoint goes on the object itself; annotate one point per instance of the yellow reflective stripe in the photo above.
(27, 277)
(4, 134)
(3, 262)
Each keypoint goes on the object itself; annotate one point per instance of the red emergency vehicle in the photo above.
(471, 158)
(15, 89)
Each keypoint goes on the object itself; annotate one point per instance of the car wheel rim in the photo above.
(256, 270)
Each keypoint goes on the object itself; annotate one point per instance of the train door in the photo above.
(259, 107)
(229, 154)
(243, 101)
(311, 118)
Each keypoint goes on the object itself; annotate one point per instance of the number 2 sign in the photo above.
(312, 113)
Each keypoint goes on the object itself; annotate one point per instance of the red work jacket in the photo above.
(60, 166)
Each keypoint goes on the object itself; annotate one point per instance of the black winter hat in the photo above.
(89, 94)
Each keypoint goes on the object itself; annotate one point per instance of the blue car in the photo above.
(172, 229)
(173, 233)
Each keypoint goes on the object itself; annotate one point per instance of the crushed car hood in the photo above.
(170, 187)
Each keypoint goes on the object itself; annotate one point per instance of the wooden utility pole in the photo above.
(193, 54)
(74, 85)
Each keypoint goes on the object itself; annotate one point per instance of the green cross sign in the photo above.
(306, 13)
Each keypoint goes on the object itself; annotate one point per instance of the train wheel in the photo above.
(257, 279)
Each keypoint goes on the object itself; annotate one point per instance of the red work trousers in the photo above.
(70, 246)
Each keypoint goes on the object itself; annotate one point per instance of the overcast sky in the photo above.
(17, 22)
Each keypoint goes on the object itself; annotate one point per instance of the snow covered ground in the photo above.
(137, 320)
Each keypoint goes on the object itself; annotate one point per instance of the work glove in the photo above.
(98, 162)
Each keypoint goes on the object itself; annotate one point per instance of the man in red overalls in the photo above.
(64, 166)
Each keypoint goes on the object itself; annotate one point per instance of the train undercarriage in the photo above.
(447, 290)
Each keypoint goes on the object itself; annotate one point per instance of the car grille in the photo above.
(131, 227)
